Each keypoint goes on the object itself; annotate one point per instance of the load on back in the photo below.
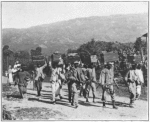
(72, 57)
(56, 58)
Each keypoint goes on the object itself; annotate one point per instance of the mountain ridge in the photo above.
(72, 33)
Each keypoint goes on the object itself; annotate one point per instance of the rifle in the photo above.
(115, 83)
(99, 84)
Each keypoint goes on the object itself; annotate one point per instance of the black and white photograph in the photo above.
(74, 60)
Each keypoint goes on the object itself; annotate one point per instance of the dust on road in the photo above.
(35, 108)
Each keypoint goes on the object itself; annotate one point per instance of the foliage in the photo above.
(72, 33)
(22, 54)
(97, 47)
(6, 47)
(139, 43)
(7, 51)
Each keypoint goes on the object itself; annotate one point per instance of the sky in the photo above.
(27, 14)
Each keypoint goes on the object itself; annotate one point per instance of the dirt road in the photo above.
(63, 110)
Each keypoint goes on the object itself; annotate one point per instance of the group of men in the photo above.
(80, 79)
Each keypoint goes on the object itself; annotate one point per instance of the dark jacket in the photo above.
(78, 74)
(106, 76)
(22, 77)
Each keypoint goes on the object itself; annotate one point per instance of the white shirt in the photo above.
(39, 72)
(140, 75)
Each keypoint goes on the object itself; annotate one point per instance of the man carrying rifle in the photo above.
(90, 82)
(77, 73)
(107, 82)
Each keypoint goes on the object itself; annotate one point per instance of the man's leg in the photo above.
(112, 94)
(34, 85)
(138, 91)
(40, 85)
(24, 91)
(60, 88)
(53, 92)
(20, 90)
(38, 88)
(87, 89)
(73, 93)
(93, 90)
(76, 99)
(104, 95)
(132, 90)
(69, 92)
(81, 90)
(76, 96)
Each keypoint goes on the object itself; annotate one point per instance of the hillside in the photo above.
(70, 34)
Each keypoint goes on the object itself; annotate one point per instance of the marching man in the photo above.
(107, 80)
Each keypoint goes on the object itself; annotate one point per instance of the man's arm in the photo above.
(102, 77)
(75, 74)
(42, 67)
(126, 76)
(27, 76)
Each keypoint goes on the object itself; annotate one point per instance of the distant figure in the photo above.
(15, 71)
(17, 66)
(10, 75)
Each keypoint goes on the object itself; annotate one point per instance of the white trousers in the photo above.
(56, 89)
(138, 90)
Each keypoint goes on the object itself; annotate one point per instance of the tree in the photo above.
(22, 54)
(6, 47)
(6, 53)
(139, 45)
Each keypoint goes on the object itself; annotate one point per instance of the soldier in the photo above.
(139, 81)
(90, 82)
(23, 77)
(76, 84)
(15, 71)
(84, 78)
(106, 80)
(39, 77)
(69, 78)
(17, 66)
(56, 83)
(131, 79)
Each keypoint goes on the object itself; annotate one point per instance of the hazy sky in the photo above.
(27, 14)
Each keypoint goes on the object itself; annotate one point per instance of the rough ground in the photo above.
(34, 108)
